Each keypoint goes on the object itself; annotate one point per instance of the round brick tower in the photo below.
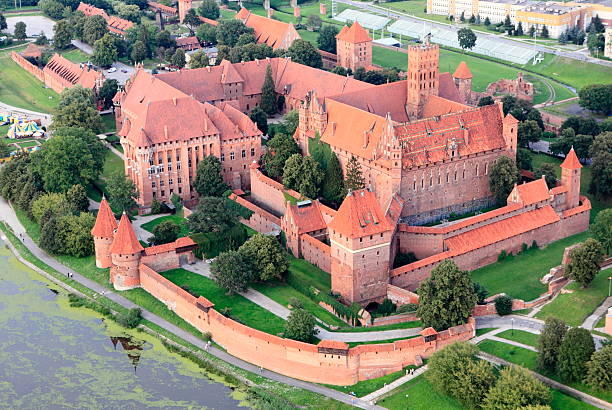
(103, 234)
(125, 256)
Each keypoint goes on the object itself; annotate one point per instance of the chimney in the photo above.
(333, 128)
(366, 138)
(174, 101)
(466, 135)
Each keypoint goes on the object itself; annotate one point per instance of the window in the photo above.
(222, 157)
(169, 166)
(179, 180)
(153, 184)
(243, 153)
(163, 193)
(161, 183)
(170, 181)
(180, 191)
(252, 152)
(232, 155)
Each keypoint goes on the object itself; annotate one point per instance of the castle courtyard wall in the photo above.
(316, 252)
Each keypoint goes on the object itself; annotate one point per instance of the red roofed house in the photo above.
(274, 33)
(115, 24)
(188, 43)
(60, 73)
(354, 47)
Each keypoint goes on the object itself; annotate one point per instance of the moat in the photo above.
(53, 356)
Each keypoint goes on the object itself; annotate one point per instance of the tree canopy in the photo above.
(76, 109)
(466, 38)
(232, 271)
(601, 171)
(599, 369)
(549, 343)
(354, 179)
(504, 174)
(549, 171)
(327, 38)
(575, 351)
(602, 229)
(300, 325)
(213, 214)
(165, 232)
(62, 34)
(303, 52)
(209, 9)
(516, 388)
(596, 97)
(122, 193)
(209, 181)
(268, 94)
(199, 59)
(105, 51)
(585, 262)
(280, 148)
(94, 29)
(268, 258)
(228, 32)
(303, 174)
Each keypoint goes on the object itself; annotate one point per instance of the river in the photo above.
(53, 356)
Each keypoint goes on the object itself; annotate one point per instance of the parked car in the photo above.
(112, 69)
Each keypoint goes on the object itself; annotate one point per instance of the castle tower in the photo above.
(125, 255)
(103, 233)
(463, 81)
(570, 178)
(510, 131)
(183, 8)
(360, 237)
(354, 47)
(422, 76)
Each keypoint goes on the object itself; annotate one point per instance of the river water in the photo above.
(53, 356)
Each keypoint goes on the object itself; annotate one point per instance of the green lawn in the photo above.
(177, 219)
(242, 309)
(519, 276)
(21, 89)
(574, 307)
(309, 274)
(521, 336)
(27, 144)
(573, 72)
(108, 123)
(113, 164)
(418, 394)
(561, 401)
(75, 55)
(365, 387)
(480, 332)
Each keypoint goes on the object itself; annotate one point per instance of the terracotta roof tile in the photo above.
(274, 33)
(530, 193)
(447, 88)
(462, 71)
(360, 215)
(187, 41)
(333, 344)
(559, 190)
(88, 10)
(125, 242)
(585, 205)
(106, 224)
(354, 34)
(307, 218)
(32, 50)
(208, 21)
(421, 263)
(571, 160)
(71, 72)
(429, 331)
(162, 7)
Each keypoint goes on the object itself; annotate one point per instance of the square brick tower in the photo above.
(183, 8)
(354, 47)
(570, 178)
(360, 237)
(423, 76)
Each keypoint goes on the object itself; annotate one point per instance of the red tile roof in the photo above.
(333, 344)
(354, 34)
(571, 160)
(429, 331)
(169, 247)
(88, 10)
(125, 242)
(584, 206)
(119, 25)
(360, 215)
(501, 230)
(208, 21)
(165, 9)
(106, 224)
(274, 33)
(32, 50)
(447, 88)
(462, 71)
(187, 41)
(72, 72)
(307, 218)
(530, 193)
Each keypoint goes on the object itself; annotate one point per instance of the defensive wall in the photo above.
(329, 362)
(316, 252)
(29, 67)
(261, 220)
(265, 190)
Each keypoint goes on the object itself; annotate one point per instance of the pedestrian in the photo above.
(260, 369)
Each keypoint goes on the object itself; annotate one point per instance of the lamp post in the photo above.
(609, 283)
(512, 322)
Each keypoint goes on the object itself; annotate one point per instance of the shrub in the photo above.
(206, 336)
(503, 305)
(534, 245)
(407, 308)
(296, 303)
(386, 308)
(131, 319)
(503, 255)
(524, 247)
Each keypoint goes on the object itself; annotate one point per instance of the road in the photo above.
(498, 38)
(123, 73)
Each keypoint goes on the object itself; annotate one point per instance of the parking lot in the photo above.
(34, 25)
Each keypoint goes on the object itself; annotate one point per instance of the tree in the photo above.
(447, 297)
(213, 215)
(528, 131)
(303, 174)
(581, 125)
(333, 184)
(78, 241)
(165, 232)
(20, 31)
(76, 109)
(94, 29)
(549, 172)
(259, 117)
(466, 38)
(77, 198)
(63, 162)
(280, 148)
(462, 17)
(228, 32)
(585, 262)
(265, 253)
(549, 343)
(5, 151)
(207, 34)
(52, 235)
(516, 388)
(192, 21)
(575, 351)
(178, 59)
(523, 159)
(268, 94)
(209, 181)
(42, 40)
(488, 100)
(105, 51)
(122, 193)
(303, 52)
(519, 29)
(52, 8)
(3, 25)
(209, 9)
(354, 178)
(139, 52)
(487, 21)
(599, 369)
(602, 229)
(456, 372)
(596, 97)
(601, 171)
(62, 34)
(50, 204)
(108, 91)
(199, 59)
(544, 33)
(507, 21)
(504, 174)
(532, 31)
(327, 38)
(232, 271)
(128, 12)
(503, 305)
(300, 326)
(313, 22)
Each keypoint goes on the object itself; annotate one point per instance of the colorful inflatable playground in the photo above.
(22, 134)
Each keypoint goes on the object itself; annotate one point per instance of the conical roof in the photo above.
(462, 72)
(105, 221)
(571, 160)
(360, 215)
(125, 242)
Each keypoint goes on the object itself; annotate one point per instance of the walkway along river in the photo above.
(53, 356)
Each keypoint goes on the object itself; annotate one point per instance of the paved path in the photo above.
(372, 397)
(512, 342)
(8, 215)
(137, 223)
(589, 322)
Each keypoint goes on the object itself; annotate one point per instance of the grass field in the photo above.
(177, 219)
(418, 394)
(365, 387)
(574, 307)
(108, 123)
(521, 336)
(241, 308)
(21, 89)
(75, 55)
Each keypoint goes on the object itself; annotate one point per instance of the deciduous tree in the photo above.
(268, 258)
(122, 193)
(20, 31)
(207, 34)
(303, 52)
(280, 148)
(165, 232)
(78, 241)
(602, 229)
(259, 117)
(327, 38)
(232, 271)
(585, 262)
(94, 29)
(192, 21)
(62, 34)
(549, 343)
(213, 215)
(105, 51)
(575, 351)
(199, 59)
(303, 174)
(76, 109)
(523, 159)
(596, 97)
(599, 369)
(178, 58)
(209, 181)
(528, 131)
(108, 91)
(52, 202)
(466, 38)
(516, 388)
(139, 52)
(504, 174)
(549, 171)
(209, 9)
(228, 32)
(447, 297)
(601, 171)
(77, 198)
(300, 326)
